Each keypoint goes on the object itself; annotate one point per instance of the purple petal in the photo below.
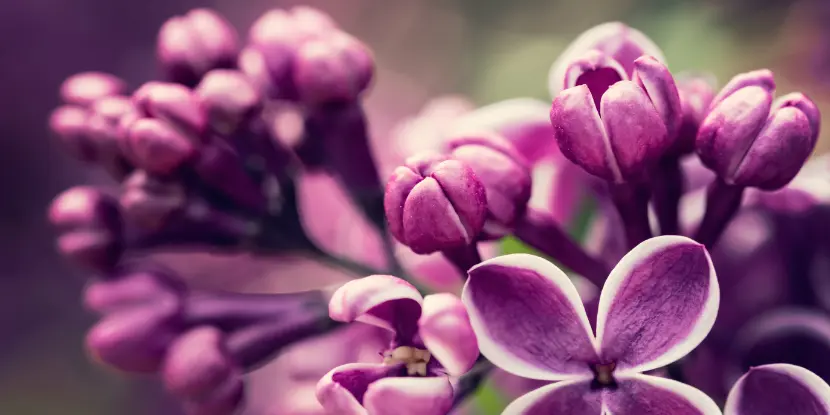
(381, 300)
(528, 318)
(779, 151)
(779, 389)
(657, 81)
(409, 396)
(650, 395)
(635, 130)
(341, 391)
(761, 78)
(727, 133)
(446, 331)
(581, 134)
(567, 397)
(658, 304)
(595, 70)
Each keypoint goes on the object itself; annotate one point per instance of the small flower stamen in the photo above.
(415, 359)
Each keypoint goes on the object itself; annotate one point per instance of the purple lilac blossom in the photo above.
(778, 389)
(657, 305)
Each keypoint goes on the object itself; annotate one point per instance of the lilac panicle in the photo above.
(614, 39)
(520, 305)
(432, 339)
(613, 127)
(189, 46)
(504, 173)
(90, 227)
(778, 389)
(434, 203)
(749, 140)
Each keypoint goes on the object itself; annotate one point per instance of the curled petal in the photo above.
(761, 78)
(776, 156)
(381, 300)
(567, 397)
(658, 304)
(649, 395)
(447, 334)
(727, 133)
(409, 396)
(635, 130)
(528, 318)
(657, 81)
(581, 135)
(779, 389)
(342, 390)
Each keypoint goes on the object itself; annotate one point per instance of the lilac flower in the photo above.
(779, 389)
(657, 305)
(432, 339)
(434, 204)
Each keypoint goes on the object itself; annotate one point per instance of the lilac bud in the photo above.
(220, 166)
(131, 288)
(149, 201)
(434, 204)
(229, 98)
(274, 40)
(336, 68)
(197, 364)
(71, 125)
(174, 104)
(157, 147)
(191, 45)
(750, 141)
(696, 94)
(90, 226)
(614, 39)
(136, 339)
(106, 134)
(624, 139)
(86, 87)
(504, 173)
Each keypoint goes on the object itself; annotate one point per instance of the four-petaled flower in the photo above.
(657, 305)
(432, 339)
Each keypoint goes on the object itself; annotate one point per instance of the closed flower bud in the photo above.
(614, 39)
(614, 128)
(136, 339)
(90, 227)
(229, 98)
(86, 87)
(197, 364)
(157, 147)
(71, 125)
(191, 45)
(175, 104)
(434, 203)
(503, 172)
(336, 68)
(131, 288)
(696, 94)
(749, 140)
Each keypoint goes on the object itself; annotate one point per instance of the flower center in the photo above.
(413, 358)
(604, 374)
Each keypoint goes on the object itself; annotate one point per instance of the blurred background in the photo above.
(485, 49)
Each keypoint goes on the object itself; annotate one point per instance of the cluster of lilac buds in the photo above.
(697, 287)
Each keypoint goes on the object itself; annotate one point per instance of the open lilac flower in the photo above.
(432, 339)
(657, 305)
(779, 389)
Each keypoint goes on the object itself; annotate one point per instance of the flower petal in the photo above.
(658, 304)
(779, 389)
(341, 391)
(528, 318)
(447, 334)
(409, 396)
(638, 394)
(568, 397)
(381, 300)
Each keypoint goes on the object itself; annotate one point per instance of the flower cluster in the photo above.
(702, 258)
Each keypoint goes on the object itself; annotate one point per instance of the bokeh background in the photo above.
(484, 49)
